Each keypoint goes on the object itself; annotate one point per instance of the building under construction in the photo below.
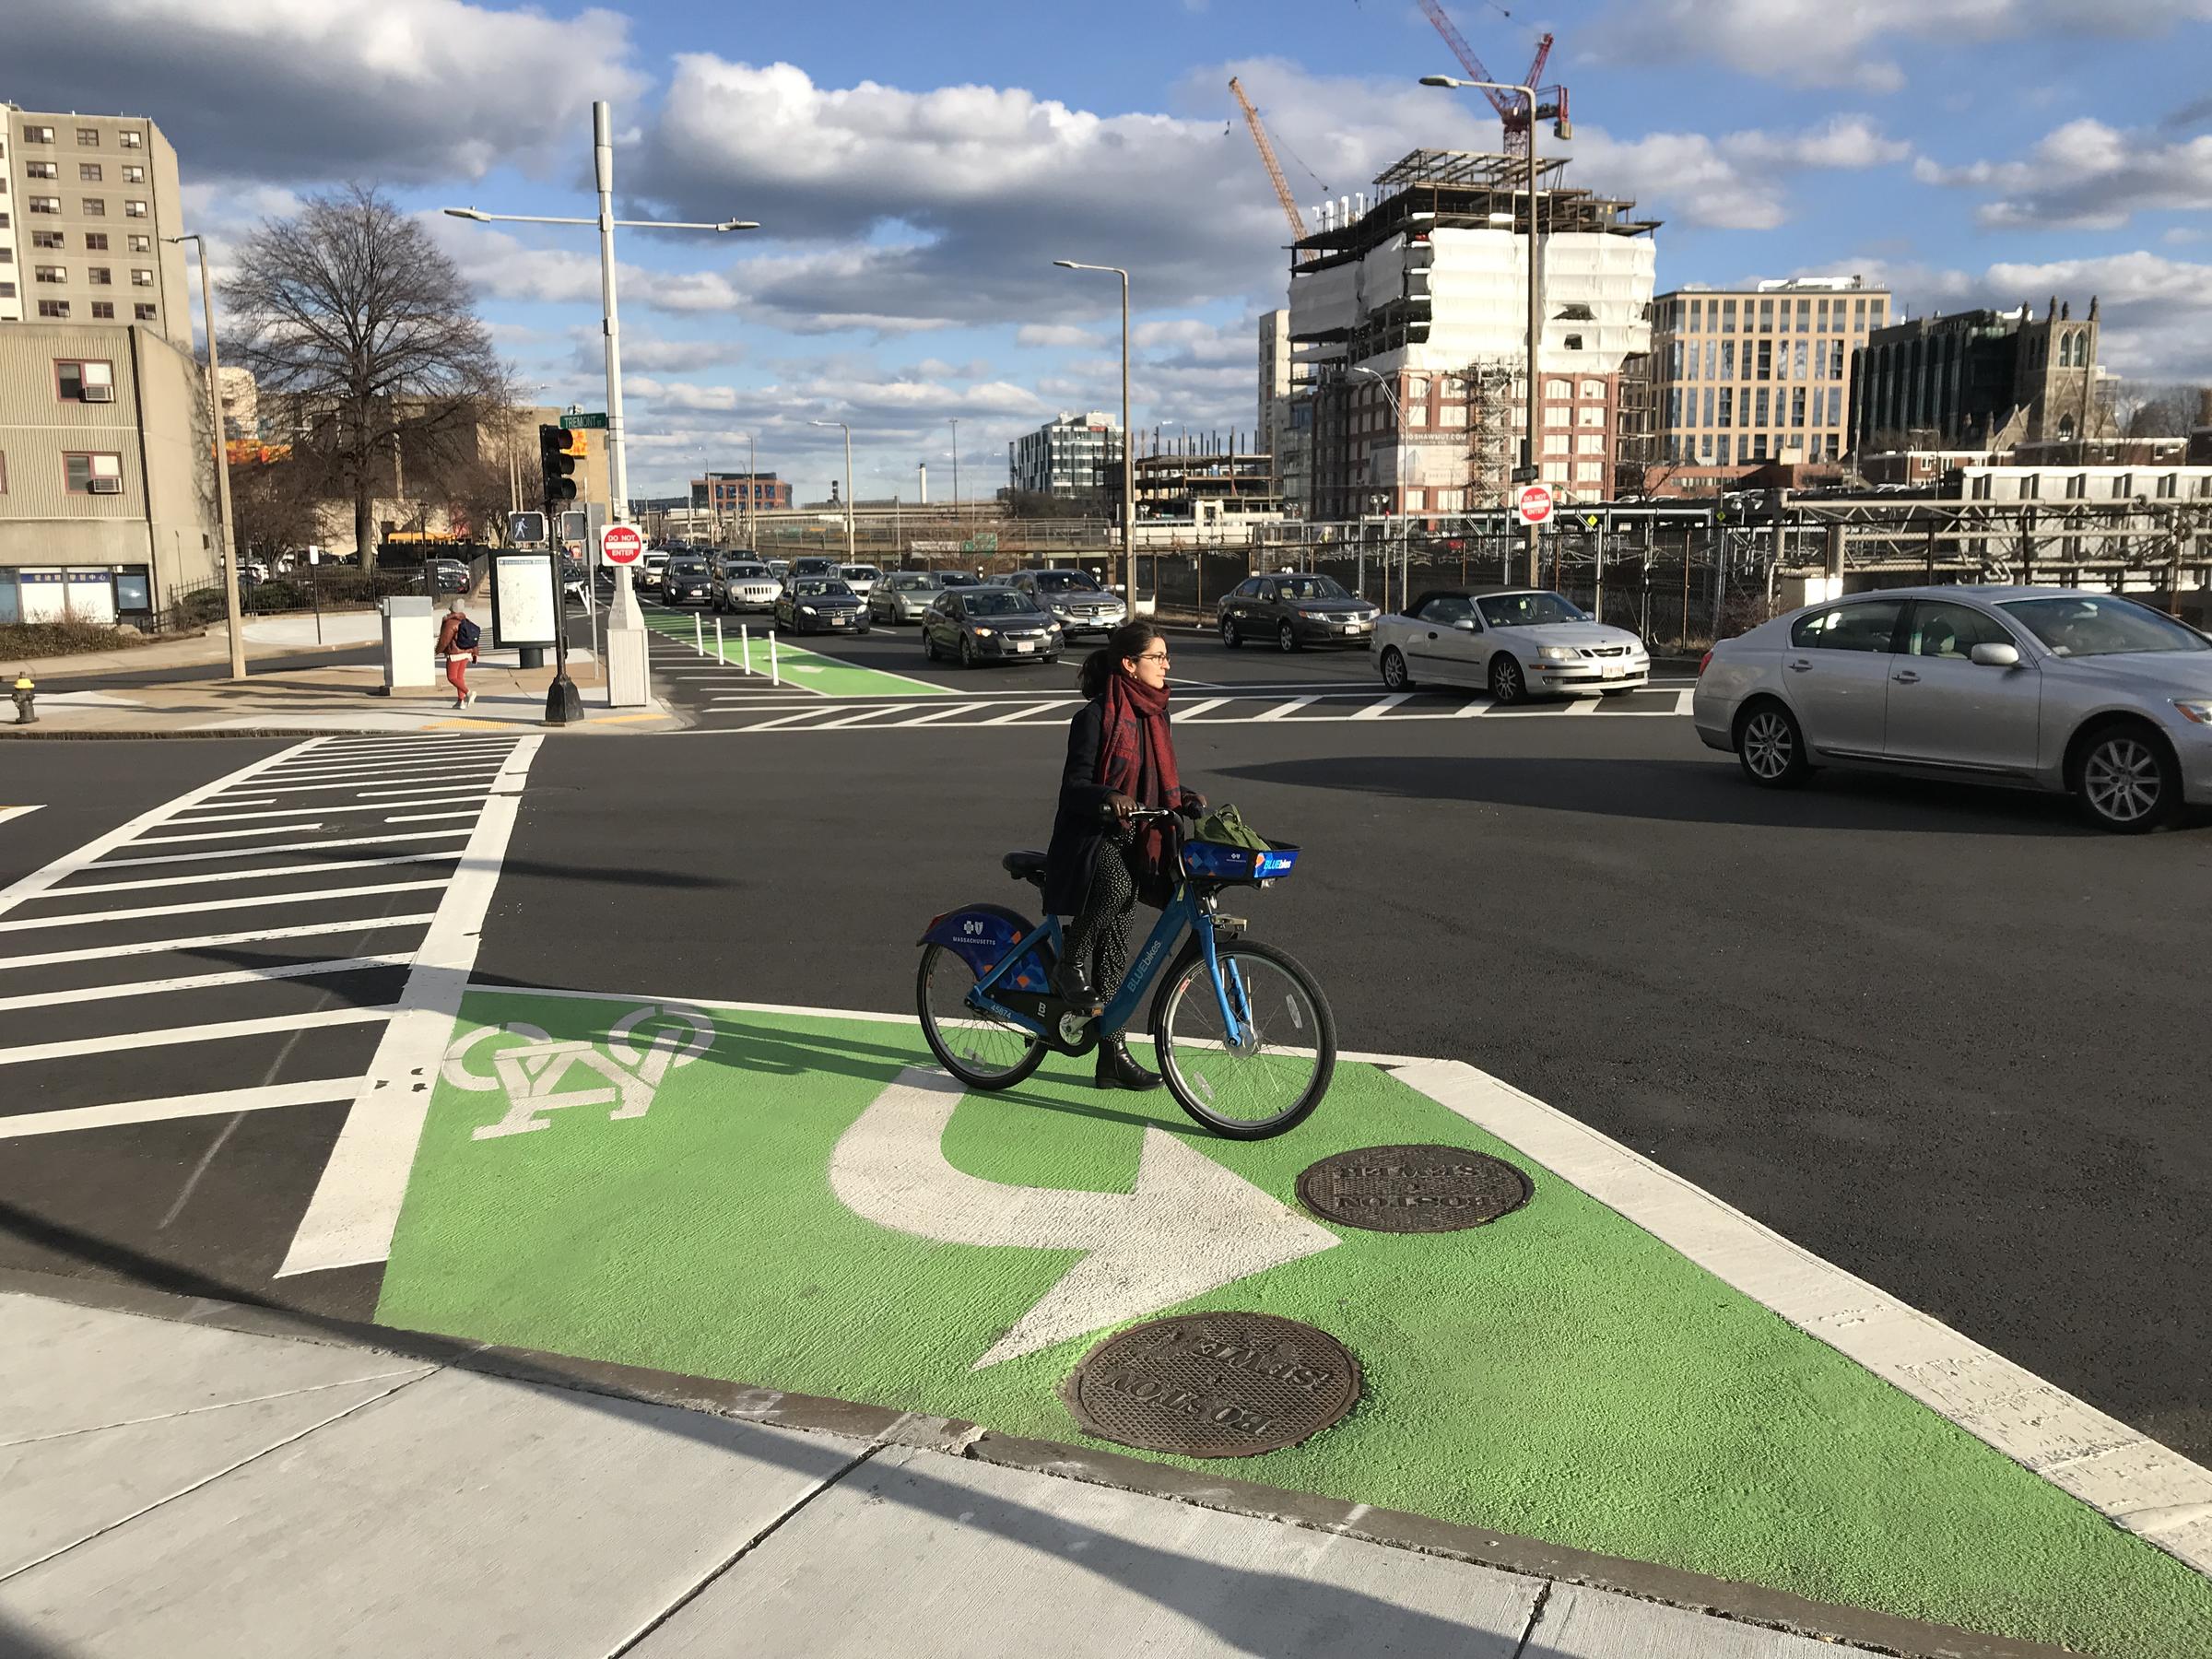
(1408, 330)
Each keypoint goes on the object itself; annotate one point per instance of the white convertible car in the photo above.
(1513, 643)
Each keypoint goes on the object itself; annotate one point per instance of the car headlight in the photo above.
(1559, 653)
(2198, 710)
(807, 610)
(981, 633)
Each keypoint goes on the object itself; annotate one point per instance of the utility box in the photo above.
(410, 642)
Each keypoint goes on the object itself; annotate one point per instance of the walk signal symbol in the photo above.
(559, 450)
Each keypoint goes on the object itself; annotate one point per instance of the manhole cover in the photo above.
(1413, 1189)
(1214, 1384)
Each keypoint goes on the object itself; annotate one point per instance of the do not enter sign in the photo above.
(621, 545)
(1534, 503)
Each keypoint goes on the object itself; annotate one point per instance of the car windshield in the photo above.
(998, 602)
(1066, 582)
(910, 584)
(1526, 610)
(1310, 587)
(861, 573)
(686, 567)
(959, 579)
(737, 569)
(2095, 625)
(816, 587)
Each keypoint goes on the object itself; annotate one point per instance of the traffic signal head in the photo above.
(559, 450)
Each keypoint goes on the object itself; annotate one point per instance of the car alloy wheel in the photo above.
(967, 652)
(1230, 637)
(1393, 670)
(1286, 638)
(1507, 685)
(2125, 783)
(1770, 747)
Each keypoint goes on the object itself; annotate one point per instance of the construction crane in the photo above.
(1512, 112)
(1275, 169)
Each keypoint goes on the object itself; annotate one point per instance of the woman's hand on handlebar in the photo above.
(1190, 803)
(1117, 807)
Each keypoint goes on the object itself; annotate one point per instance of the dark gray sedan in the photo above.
(1289, 609)
(2094, 695)
(986, 624)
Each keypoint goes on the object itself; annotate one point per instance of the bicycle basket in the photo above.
(1217, 861)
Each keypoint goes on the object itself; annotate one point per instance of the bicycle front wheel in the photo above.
(980, 1051)
(1264, 1073)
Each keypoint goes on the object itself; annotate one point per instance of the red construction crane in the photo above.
(1275, 170)
(1512, 112)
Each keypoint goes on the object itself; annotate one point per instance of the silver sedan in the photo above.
(2054, 688)
(903, 596)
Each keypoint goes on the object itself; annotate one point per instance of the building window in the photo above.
(40, 135)
(2122, 487)
(96, 242)
(131, 140)
(2031, 486)
(103, 310)
(2, 472)
(2168, 485)
(1759, 419)
(98, 275)
(79, 470)
(142, 278)
(47, 238)
(141, 244)
(1728, 406)
(145, 312)
(1727, 316)
(45, 204)
(1797, 406)
(1590, 443)
(1765, 359)
(74, 377)
(1558, 389)
(1982, 484)
(88, 137)
(88, 172)
(1589, 471)
(51, 273)
(54, 307)
(1557, 443)
(134, 208)
(133, 175)
(42, 170)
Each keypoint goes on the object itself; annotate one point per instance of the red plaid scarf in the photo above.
(1133, 726)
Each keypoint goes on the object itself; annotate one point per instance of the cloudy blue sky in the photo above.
(917, 168)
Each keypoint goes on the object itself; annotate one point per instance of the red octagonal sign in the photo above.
(619, 544)
(1534, 503)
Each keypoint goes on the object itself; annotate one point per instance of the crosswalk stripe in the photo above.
(1376, 711)
(166, 882)
(1018, 715)
(933, 716)
(357, 841)
(91, 918)
(13, 812)
(233, 817)
(1286, 710)
(205, 982)
(222, 1102)
(1684, 700)
(1197, 709)
(47, 958)
(305, 1021)
(1581, 705)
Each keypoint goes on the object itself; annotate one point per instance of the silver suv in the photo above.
(2054, 688)
(1072, 598)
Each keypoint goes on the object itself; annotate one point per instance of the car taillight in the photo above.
(1702, 662)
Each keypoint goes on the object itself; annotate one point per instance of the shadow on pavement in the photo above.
(1250, 1611)
(1684, 791)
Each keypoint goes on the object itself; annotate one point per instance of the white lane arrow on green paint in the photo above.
(1189, 1227)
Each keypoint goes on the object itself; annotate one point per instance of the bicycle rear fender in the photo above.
(983, 935)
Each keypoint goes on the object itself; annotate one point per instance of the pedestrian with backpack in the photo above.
(458, 641)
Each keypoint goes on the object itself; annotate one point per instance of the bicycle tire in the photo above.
(1186, 1096)
(948, 1057)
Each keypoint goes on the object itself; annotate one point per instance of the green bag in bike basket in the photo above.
(1225, 826)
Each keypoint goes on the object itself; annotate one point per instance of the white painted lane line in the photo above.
(855, 718)
(805, 714)
(1018, 715)
(1376, 711)
(356, 1203)
(1684, 700)
(207, 941)
(423, 817)
(365, 791)
(936, 715)
(203, 982)
(166, 882)
(1283, 710)
(13, 812)
(39, 881)
(2142, 1485)
(315, 896)
(375, 774)
(326, 807)
(305, 846)
(165, 841)
(172, 1035)
(176, 1106)
(1583, 705)
(1470, 710)
(459, 748)
(1197, 709)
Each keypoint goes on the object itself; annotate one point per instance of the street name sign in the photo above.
(580, 422)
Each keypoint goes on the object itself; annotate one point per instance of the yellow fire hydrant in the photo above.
(26, 693)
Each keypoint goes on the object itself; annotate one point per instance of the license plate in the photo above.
(840, 621)
(1350, 627)
(1611, 671)
(1025, 646)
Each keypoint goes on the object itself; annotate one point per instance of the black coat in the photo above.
(1078, 825)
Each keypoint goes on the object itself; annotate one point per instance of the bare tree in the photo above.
(274, 504)
(2145, 410)
(349, 308)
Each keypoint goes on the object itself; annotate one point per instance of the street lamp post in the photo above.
(848, 431)
(1535, 303)
(626, 666)
(1128, 469)
(1398, 413)
(956, 467)
(226, 536)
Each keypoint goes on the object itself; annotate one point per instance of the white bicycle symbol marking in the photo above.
(531, 1073)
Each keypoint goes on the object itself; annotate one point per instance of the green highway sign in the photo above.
(577, 423)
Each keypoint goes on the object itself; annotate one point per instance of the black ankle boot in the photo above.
(1118, 1068)
(1071, 984)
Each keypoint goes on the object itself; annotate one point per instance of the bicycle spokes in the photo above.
(1248, 1045)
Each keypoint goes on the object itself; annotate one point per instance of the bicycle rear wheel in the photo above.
(1271, 1073)
(980, 1051)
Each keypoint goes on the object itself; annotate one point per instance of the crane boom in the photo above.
(1275, 170)
(1512, 112)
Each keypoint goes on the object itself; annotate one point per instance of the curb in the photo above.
(1722, 1598)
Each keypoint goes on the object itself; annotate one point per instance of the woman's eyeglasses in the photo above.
(1153, 656)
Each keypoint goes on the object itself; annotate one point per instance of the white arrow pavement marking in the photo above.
(1189, 1227)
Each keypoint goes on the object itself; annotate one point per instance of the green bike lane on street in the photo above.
(800, 669)
(660, 1185)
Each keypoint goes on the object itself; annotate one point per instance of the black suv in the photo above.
(687, 580)
(1290, 609)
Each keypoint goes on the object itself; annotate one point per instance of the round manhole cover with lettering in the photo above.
(1214, 1384)
(1413, 1189)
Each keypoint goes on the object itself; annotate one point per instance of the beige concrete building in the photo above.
(84, 204)
(1749, 376)
(107, 476)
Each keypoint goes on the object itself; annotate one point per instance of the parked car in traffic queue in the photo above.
(744, 584)
(2061, 689)
(649, 569)
(903, 596)
(1075, 598)
(820, 605)
(685, 580)
(1289, 609)
(1513, 643)
(813, 566)
(988, 624)
(861, 578)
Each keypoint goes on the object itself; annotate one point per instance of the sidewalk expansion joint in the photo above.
(1536, 1617)
(413, 1374)
(751, 1544)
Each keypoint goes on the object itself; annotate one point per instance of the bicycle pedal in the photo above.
(1231, 924)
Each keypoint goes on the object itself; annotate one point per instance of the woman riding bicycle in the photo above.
(1119, 757)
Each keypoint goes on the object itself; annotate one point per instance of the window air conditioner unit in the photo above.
(105, 486)
(98, 394)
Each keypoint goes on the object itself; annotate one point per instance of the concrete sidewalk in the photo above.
(196, 1478)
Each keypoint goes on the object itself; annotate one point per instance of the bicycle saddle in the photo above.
(1024, 866)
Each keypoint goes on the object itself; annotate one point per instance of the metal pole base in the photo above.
(532, 656)
(563, 705)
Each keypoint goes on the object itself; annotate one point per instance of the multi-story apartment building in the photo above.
(730, 494)
(1409, 323)
(1286, 423)
(1753, 375)
(87, 203)
(1982, 379)
(107, 475)
(1071, 456)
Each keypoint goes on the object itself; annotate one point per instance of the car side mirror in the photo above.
(1465, 625)
(1996, 656)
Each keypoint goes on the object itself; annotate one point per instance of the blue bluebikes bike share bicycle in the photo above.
(1245, 1039)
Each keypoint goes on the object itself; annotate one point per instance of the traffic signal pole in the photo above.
(558, 451)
